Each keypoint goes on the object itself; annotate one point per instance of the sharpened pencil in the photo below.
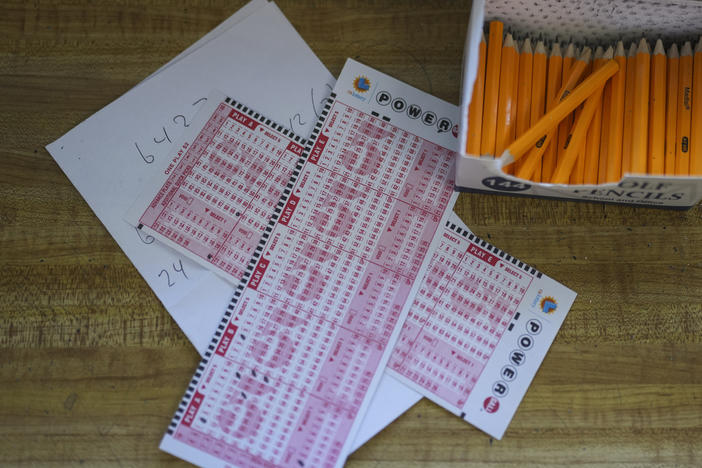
(682, 152)
(628, 109)
(524, 89)
(671, 112)
(508, 68)
(592, 142)
(615, 121)
(639, 130)
(656, 126)
(553, 85)
(492, 88)
(564, 127)
(475, 110)
(538, 96)
(696, 119)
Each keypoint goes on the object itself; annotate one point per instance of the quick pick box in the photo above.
(590, 22)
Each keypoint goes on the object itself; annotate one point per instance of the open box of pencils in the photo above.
(590, 100)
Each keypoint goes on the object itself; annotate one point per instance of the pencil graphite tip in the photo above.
(619, 52)
(526, 47)
(609, 54)
(644, 48)
(540, 48)
(673, 51)
(586, 54)
(482, 39)
(632, 50)
(599, 51)
(570, 50)
(556, 50)
(698, 48)
(659, 49)
(509, 41)
(686, 49)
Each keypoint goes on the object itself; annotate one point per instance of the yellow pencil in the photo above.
(552, 118)
(564, 128)
(604, 133)
(568, 59)
(492, 88)
(553, 85)
(567, 162)
(592, 142)
(656, 126)
(639, 130)
(615, 121)
(524, 89)
(671, 113)
(577, 176)
(515, 103)
(508, 69)
(696, 120)
(475, 109)
(538, 95)
(628, 109)
(515, 92)
(682, 153)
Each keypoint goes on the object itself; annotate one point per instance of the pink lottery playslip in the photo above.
(306, 337)
(478, 330)
(215, 198)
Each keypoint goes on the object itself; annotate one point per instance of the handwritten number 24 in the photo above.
(177, 269)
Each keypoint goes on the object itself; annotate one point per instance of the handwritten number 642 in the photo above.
(148, 159)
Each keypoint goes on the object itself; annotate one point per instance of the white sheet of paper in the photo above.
(109, 156)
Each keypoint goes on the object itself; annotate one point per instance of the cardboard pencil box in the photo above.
(591, 23)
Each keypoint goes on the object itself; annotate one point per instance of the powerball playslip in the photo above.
(307, 333)
(309, 330)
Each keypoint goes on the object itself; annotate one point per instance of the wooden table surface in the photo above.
(92, 366)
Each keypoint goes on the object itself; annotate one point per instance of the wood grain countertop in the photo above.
(92, 366)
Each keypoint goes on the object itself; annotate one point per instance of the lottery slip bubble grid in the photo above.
(220, 195)
(307, 328)
(468, 299)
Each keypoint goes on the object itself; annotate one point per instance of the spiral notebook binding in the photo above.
(492, 249)
(307, 144)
